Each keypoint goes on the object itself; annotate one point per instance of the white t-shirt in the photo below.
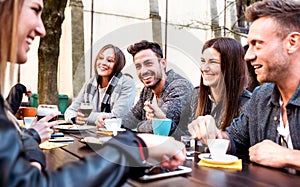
(284, 131)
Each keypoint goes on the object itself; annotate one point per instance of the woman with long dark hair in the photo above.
(222, 90)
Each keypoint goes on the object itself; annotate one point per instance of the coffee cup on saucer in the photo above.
(218, 148)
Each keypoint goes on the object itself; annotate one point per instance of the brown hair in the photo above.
(9, 13)
(234, 70)
(285, 13)
(119, 64)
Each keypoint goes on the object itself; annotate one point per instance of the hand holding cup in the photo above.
(44, 122)
(83, 113)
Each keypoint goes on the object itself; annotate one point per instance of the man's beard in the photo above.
(154, 86)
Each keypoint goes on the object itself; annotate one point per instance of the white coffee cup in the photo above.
(113, 124)
(218, 148)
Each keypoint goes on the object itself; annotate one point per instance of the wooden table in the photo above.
(251, 175)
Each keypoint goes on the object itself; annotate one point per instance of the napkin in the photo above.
(51, 145)
(237, 165)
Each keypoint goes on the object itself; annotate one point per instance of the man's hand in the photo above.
(268, 153)
(165, 150)
(153, 111)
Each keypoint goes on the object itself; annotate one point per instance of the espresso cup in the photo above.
(218, 148)
(43, 110)
(113, 124)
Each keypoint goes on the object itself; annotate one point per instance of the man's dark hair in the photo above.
(144, 44)
(285, 13)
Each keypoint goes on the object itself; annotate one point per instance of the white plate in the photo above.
(95, 141)
(74, 127)
(119, 130)
(227, 159)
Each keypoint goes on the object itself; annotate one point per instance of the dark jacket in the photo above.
(115, 157)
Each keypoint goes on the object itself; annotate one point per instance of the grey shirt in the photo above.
(260, 119)
(174, 102)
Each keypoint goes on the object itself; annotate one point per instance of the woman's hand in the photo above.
(80, 119)
(43, 127)
(165, 150)
(100, 121)
(202, 126)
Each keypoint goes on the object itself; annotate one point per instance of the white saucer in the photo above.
(118, 130)
(227, 159)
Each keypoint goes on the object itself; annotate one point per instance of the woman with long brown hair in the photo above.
(222, 92)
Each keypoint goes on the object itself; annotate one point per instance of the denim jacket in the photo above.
(260, 119)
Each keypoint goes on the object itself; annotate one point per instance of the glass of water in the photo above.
(189, 143)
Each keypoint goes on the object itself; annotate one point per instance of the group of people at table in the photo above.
(262, 125)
